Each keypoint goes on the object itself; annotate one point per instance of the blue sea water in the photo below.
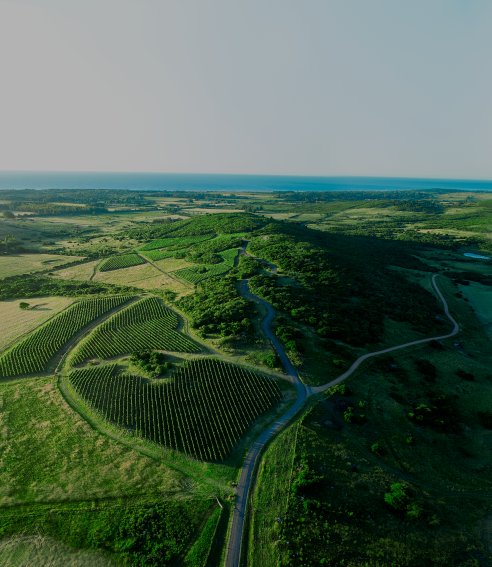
(224, 182)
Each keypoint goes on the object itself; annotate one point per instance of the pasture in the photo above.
(17, 264)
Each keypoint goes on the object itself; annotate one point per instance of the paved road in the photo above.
(235, 539)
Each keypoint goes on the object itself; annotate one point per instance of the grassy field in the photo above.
(269, 500)
(82, 272)
(41, 550)
(17, 264)
(480, 298)
(50, 454)
(144, 276)
(173, 264)
(18, 322)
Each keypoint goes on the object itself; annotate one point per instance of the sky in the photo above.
(281, 87)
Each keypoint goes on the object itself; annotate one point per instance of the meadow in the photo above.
(16, 264)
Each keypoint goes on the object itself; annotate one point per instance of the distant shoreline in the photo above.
(14, 180)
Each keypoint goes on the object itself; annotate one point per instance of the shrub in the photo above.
(397, 497)
(465, 375)
(24, 305)
(377, 449)
(340, 389)
(427, 369)
(150, 361)
(485, 419)
(414, 510)
(307, 481)
(435, 344)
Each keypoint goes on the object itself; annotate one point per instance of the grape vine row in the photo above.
(155, 255)
(146, 324)
(194, 274)
(34, 352)
(123, 261)
(229, 256)
(180, 241)
(203, 410)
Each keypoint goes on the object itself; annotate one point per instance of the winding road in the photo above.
(237, 528)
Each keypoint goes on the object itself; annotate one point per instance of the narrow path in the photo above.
(361, 359)
(236, 535)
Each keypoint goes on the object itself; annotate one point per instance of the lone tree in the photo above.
(24, 305)
(8, 215)
(10, 240)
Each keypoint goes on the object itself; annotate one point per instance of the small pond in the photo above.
(471, 255)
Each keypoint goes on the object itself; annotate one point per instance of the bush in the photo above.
(397, 497)
(377, 449)
(307, 481)
(427, 369)
(485, 419)
(435, 344)
(24, 305)
(340, 389)
(414, 510)
(465, 375)
(150, 362)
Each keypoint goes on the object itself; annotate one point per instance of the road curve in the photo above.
(361, 359)
(235, 538)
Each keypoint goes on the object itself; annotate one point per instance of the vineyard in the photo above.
(123, 261)
(181, 242)
(155, 255)
(34, 352)
(146, 324)
(203, 411)
(229, 256)
(220, 243)
(196, 274)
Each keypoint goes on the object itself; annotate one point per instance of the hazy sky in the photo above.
(304, 87)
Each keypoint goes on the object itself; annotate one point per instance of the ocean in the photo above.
(224, 182)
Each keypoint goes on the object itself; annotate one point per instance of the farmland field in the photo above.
(159, 255)
(480, 298)
(181, 241)
(146, 324)
(81, 272)
(144, 276)
(16, 264)
(34, 352)
(229, 256)
(123, 261)
(67, 460)
(173, 264)
(17, 322)
(203, 410)
(197, 274)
